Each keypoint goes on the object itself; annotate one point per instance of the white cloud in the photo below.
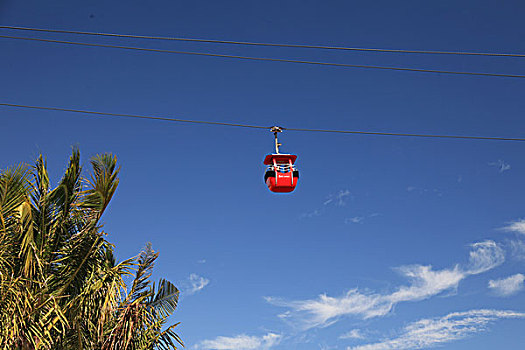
(325, 310)
(485, 256)
(241, 342)
(354, 220)
(516, 226)
(424, 283)
(360, 219)
(341, 197)
(201, 261)
(353, 334)
(501, 165)
(507, 286)
(518, 249)
(432, 332)
(195, 283)
(338, 199)
(311, 214)
(327, 347)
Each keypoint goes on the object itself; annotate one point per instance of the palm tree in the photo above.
(60, 286)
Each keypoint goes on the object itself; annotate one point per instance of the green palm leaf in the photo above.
(60, 286)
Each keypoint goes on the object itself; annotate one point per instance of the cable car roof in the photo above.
(279, 158)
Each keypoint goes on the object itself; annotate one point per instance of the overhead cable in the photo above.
(251, 43)
(169, 119)
(267, 59)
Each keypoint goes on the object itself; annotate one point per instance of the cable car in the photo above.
(281, 174)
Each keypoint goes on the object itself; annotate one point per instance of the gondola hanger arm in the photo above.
(276, 130)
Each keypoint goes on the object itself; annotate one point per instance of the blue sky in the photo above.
(387, 243)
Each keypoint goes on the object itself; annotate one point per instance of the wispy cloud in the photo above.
(353, 334)
(425, 282)
(354, 220)
(201, 261)
(507, 286)
(501, 165)
(517, 226)
(241, 342)
(341, 197)
(311, 214)
(194, 284)
(338, 199)
(431, 332)
(484, 256)
(517, 248)
(360, 219)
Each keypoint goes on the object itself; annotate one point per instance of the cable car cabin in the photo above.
(281, 174)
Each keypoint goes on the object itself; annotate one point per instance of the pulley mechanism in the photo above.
(276, 130)
(281, 175)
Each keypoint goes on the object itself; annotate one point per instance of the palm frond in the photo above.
(60, 285)
(103, 182)
(166, 298)
(145, 263)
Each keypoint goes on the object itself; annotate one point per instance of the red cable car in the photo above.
(281, 174)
